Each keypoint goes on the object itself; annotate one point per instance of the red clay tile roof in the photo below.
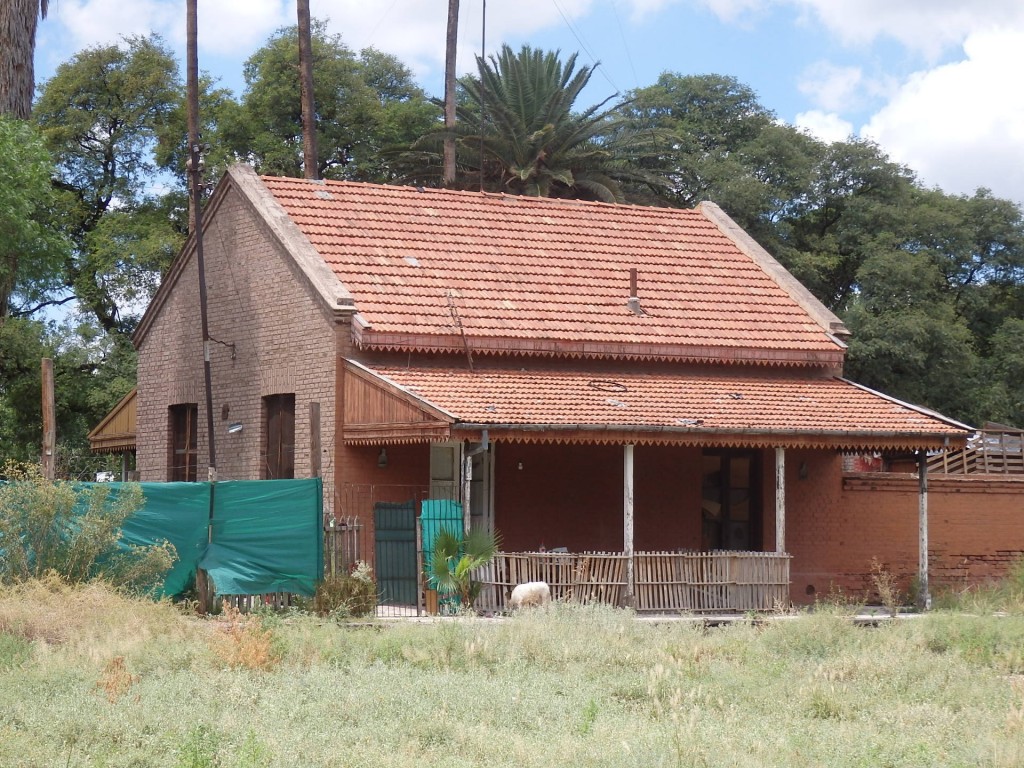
(811, 411)
(547, 276)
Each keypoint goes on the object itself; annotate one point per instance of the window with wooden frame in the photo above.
(279, 428)
(184, 421)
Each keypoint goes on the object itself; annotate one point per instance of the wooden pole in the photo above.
(310, 153)
(780, 500)
(924, 598)
(195, 161)
(314, 440)
(49, 458)
(627, 529)
(449, 91)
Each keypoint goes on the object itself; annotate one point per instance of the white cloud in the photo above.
(829, 86)
(827, 126)
(927, 27)
(961, 125)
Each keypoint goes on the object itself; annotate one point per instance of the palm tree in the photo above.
(18, 20)
(517, 132)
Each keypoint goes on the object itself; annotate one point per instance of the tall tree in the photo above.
(101, 115)
(18, 22)
(517, 132)
(363, 104)
(30, 251)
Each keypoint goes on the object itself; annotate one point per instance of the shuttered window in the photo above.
(184, 419)
(279, 421)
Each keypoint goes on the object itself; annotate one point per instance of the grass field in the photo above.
(90, 678)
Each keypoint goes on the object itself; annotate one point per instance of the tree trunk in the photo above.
(310, 154)
(449, 91)
(18, 20)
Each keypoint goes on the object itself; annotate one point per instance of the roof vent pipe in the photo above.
(634, 299)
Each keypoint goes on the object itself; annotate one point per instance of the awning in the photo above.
(116, 433)
(557, 405)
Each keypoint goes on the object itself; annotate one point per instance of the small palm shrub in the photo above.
(453, 561)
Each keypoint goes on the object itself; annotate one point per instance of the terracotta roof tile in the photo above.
(528, 268)
(700, 403)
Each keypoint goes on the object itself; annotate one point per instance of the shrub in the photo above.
(344, 596)
(75, 531)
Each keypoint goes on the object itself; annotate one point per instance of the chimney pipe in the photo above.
(634, 299)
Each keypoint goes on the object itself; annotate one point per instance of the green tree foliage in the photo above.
(717, 142)
(93, 370)
(364, 104)
(530, 140)
(101, 114)
(74, 531)
(30, 251)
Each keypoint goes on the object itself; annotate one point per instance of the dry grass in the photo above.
(565, 685)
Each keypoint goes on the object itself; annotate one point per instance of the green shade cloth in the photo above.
(267, 537)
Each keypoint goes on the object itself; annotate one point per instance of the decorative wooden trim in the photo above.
(368, 339)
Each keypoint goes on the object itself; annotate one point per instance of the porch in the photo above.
(682, 580)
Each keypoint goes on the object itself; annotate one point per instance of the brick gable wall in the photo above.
(284, 341)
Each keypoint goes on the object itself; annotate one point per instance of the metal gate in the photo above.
(395, 549)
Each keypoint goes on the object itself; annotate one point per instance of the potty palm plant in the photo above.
(453, 561)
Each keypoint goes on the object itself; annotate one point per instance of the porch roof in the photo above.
(116, 433)
(683, 408)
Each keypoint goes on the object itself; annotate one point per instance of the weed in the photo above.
(354, 595)
(116, 680)
(884, 583)
(589, 716)
(244, 641)
(200, 749)
(13, 651)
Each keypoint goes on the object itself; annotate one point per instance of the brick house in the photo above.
(582, 376)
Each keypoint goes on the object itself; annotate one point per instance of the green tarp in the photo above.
(265, 535)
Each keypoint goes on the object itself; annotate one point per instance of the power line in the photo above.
(583, 45)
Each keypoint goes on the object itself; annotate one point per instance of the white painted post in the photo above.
(780, 500)
(467, 484)
(627, 531)
(924, 598)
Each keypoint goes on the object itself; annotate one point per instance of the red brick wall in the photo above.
(284, 341)
(572, 496)
(836, 527)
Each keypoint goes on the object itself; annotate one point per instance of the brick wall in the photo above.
(836, 527)
(283, 340)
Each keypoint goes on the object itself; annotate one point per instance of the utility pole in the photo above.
(195, 170)
(195, 173)
(449, 91)
(310, 155)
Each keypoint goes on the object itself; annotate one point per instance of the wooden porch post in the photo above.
(780, 500)
(627, 532)
(467, 485)
(924, 598)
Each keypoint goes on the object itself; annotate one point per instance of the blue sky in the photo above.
(935, 82)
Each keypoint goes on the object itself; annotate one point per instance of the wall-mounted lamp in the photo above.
(519, 466)
(803, 470)
(382, 458)
(234, 427)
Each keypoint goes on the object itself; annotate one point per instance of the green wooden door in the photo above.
(395, 548)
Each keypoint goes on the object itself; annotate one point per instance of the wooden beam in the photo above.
(49, 458)
(780, 500)
(924, 598)
(627, 529)
(314, 440)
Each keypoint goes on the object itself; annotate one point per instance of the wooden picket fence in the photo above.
(665, 582)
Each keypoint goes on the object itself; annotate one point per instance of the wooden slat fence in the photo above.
(990, 452)
(666, 582)
(711, 582)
